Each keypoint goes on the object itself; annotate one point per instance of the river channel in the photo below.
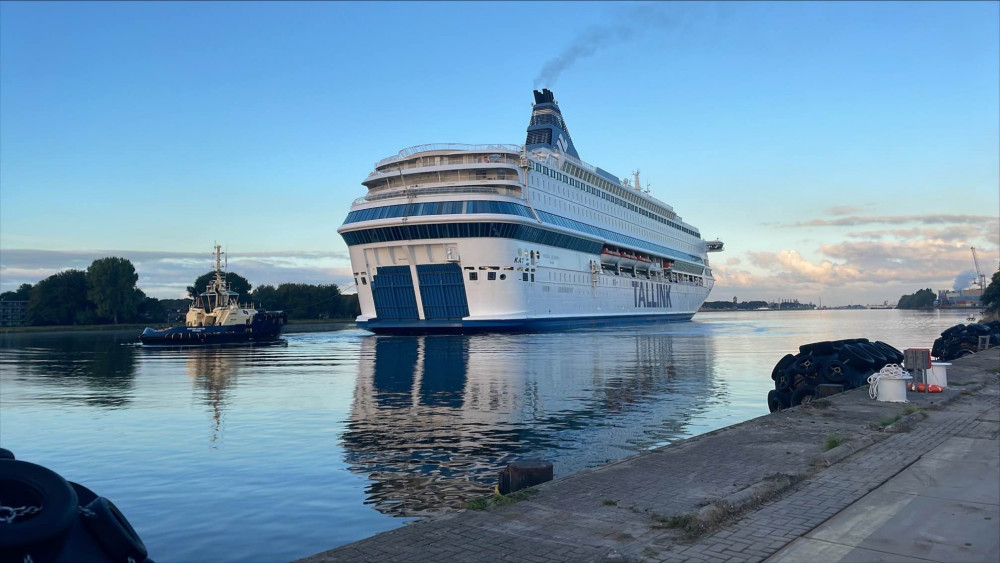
(278, 452)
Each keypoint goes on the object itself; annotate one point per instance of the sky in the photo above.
(846, 153)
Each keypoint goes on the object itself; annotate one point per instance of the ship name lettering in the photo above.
(650, 295)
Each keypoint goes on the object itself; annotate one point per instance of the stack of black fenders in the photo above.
(962, 340)
(842, 363)
(43, 518)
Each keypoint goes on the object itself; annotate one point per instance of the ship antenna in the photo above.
(638, 186)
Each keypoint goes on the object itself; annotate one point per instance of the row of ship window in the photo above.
(437, 208)
(590, 189)
(624, 240)
(515, 231)
(497, 207)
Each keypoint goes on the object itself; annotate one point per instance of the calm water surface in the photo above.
(273, 453)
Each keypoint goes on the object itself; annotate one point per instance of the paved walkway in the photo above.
(927, 493)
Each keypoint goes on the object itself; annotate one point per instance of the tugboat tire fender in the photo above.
(113, 531)
(27, 484)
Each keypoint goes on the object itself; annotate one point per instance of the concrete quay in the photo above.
(903, 486)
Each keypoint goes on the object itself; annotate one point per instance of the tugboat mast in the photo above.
(218, 265)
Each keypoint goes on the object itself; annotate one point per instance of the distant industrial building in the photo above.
(13, 313)
(970, 298)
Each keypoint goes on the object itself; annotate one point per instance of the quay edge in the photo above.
(631, 508)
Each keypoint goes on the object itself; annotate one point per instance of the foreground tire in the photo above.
(781, 365)
(803, 395)
(777, 401)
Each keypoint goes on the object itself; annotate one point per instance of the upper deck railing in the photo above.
(410, 151)
(439, 190)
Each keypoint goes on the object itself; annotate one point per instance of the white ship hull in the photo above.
(564, 293)
(504, 237)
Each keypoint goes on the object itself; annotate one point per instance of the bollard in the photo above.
(523, 474)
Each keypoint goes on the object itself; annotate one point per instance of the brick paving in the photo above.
(570, 519)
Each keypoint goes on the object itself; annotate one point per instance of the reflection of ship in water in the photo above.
(214, 372)
(434, 417)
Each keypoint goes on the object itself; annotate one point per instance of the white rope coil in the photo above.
(890, 371)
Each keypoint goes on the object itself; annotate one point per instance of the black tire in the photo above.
(953, 330)
(85, 495)
(824, 348)
(781, 365)
(856, 356)
(876, 353)
(784, 382)
(777, 401)
(27, 484)
(111, 529)
(804, 364)
(802, 395)
(6, 454)
(894, 355)
(835, 371)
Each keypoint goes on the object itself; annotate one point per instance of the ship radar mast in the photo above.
(638, 184)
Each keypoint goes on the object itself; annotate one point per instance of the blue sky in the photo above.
(843, 151)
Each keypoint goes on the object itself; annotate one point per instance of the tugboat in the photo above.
(217, 317)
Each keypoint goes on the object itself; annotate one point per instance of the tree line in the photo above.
(921, 299)
(106, 293)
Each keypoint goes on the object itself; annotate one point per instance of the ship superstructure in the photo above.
(517, 237)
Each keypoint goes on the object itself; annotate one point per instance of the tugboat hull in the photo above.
(265, 326)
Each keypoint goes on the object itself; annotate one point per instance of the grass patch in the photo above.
(888, 421)
(609, 502)
(478, 504)
(485, 503)
(682, 522)
(832, 441)
(910, 410)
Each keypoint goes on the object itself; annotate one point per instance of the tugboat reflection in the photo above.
(213, 372)
(435, 417)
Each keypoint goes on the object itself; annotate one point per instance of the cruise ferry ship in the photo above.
(463, 238)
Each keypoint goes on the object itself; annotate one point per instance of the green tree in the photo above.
(61, 299)
(991, 295)
(111, 288)
(237, 283)
(922, 299)
(23, 293)
(304, 301)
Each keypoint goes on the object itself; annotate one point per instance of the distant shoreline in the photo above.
(311, 325)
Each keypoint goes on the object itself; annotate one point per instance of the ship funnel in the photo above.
(547, 128)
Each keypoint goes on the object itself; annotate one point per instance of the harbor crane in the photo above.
(980, 277)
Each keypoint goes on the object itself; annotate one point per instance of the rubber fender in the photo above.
(111, 529)
(777, 401)
(938, 347)
(784, 381)
(781, 365)
(803, 364)
(27, 484)
(804, 393)
(894, 355)
(835, 371)
(817, 348)
(856, 355)
(978, 329)
(85, 495)
(6, 454)
(880, 359)
(953, 330)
